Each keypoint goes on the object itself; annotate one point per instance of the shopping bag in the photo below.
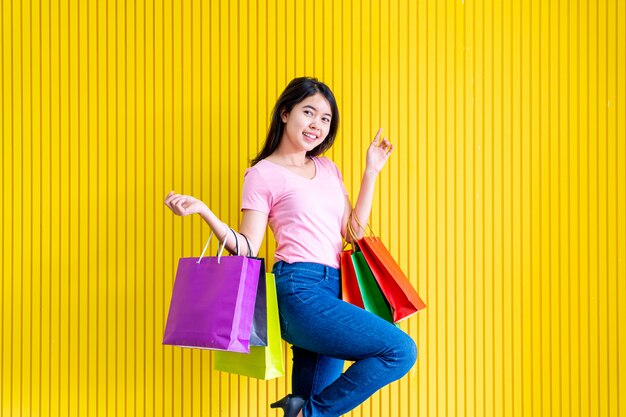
(395, 286)
(350, 291)
(258, 335)
(262, 362)
(373, 299)
(398, 291)
(213, 302)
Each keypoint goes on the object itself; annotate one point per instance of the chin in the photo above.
(308, 147)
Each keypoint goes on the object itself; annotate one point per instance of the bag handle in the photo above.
(221, 249)
(205, 247)
(350, 228)
(236, 241)
(249, 246)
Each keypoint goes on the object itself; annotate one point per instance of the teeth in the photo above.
(308, 135)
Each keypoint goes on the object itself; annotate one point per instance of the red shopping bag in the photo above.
(350, 291)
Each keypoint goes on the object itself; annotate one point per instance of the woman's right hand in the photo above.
(184, 205)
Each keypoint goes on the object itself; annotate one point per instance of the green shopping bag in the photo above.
(263, 362)
(373, 299)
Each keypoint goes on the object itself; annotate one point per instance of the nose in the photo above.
(314, 124)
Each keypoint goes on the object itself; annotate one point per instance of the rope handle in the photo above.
(350, 227)
(221, 249)
(350, 230)
(249, 245)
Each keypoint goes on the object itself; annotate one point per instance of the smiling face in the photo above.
(307, 124)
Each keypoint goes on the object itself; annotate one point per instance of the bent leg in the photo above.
(316, 320)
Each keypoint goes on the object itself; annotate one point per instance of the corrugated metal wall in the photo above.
(505, 201)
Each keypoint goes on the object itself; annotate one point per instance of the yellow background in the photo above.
(505, 200)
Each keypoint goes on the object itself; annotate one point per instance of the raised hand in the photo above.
(378, 153)
(184, 205)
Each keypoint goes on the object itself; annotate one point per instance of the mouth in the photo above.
(310, 136)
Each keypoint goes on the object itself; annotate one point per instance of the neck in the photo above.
(290, 156)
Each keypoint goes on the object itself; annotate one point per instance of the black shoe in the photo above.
(291, 405)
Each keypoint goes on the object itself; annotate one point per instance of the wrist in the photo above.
(204, 212)
(370, 173)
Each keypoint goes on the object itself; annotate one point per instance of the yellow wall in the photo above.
(505, 201)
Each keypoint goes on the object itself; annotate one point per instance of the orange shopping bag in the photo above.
(395, 286)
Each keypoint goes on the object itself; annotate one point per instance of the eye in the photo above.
(326, 120)
(308, 112)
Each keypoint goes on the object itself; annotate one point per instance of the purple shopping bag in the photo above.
(213, 302)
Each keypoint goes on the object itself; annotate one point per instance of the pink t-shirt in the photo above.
(304, 214)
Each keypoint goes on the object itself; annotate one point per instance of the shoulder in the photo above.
(255, 177)
(259, 170)
(264, 176)
(327, 164)
(257, 191)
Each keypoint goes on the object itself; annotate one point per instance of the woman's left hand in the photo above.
(378, 153)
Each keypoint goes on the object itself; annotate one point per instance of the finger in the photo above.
(175, 201)
(380, 129)
(170, 197)
(179, 209)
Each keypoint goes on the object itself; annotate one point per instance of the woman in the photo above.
(303, 198)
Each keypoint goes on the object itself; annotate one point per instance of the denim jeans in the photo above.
(325, 331)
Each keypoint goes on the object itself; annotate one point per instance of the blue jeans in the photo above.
(325, 331)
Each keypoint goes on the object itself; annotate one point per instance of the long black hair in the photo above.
(297, 90)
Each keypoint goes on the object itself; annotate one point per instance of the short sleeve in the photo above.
(256, 193)
(336, 171)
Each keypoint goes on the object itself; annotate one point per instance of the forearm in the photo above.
(222, 231)
(363, 205)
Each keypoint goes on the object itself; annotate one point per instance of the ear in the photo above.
(283, 116)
